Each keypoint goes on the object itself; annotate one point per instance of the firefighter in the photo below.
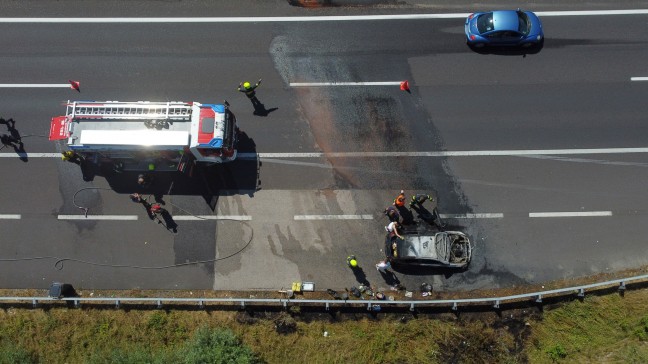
(248, 90)
(71, 156)
(418, 200)
(352, 261)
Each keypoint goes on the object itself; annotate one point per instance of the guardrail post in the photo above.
(622, 286)
(581, 292)
(201, 304)
(327, 306)
(242, 305)
(159, 304)
(539, 299)
(454, 306)
(496, 304)
(34, 303)
(117, 303)
(285, 304)
(77, 303)
(369, 306)
(412, 307)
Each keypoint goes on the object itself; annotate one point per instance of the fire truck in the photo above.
(147, 135)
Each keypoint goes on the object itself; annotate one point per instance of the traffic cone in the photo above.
(75, 85)
(404, 86)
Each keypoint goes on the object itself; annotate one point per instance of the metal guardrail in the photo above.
(454, 304)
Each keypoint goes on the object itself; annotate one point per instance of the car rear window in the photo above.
(485, 23)
(524, 25)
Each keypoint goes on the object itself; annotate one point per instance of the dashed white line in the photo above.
(571, 214)
(35, 85)
(316, 84)
(473, 216)
(10, 216)
(333, 217)
(638, 78)
(211, 217)
(98, 217)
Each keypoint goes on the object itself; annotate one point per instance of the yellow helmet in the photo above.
(353, 263)
(246, 85)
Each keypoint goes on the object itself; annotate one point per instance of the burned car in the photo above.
(440, 249)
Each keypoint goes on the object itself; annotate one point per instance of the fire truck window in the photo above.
(207, 125)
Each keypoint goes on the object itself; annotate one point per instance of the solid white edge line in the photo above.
(571, 214)
(638, 78)
(315, 84)
(466, 153)
(10, 216)
(333, 217)
(98, 217)
(32, 85)
(211, 217)
(475, 153)
(303, 18)
(472, 216)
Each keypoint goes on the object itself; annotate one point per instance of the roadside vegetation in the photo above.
(608, 328)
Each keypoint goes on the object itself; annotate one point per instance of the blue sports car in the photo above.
(504, 28)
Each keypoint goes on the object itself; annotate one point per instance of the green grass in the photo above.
(610, 329)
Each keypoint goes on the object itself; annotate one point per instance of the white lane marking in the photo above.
(98, 217)
(571, 214)
(30, 155)
(333, 217)
(10, 216)
(465, 153)
(211, 217)
(472, 216)
(638, 78)
(266, 19)
(316, 84)
(468, 153)
(34, 85)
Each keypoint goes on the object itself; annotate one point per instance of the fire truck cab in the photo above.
(140, 134)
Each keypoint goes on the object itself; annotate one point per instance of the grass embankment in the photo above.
(599, 329)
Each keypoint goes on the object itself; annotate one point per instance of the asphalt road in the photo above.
(575, 95)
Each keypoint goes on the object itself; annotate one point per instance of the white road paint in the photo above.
(35, 85)
(638, 78)
(30, 155)
(333, 217)
(472, 216)
(279, 19)
(318, 84)
(571, 214)
(211, 217)
(467, 153)
(10, 216)
(459, 153)
(98, 217)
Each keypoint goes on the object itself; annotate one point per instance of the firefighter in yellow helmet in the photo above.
(352, 262)
(248, 89)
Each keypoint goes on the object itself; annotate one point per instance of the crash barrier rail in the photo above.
(372, 305)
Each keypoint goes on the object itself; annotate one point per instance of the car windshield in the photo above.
(524, 25)
(485, 23)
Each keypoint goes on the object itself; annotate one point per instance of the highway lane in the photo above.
(434, 117)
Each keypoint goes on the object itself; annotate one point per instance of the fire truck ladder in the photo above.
(141, 110)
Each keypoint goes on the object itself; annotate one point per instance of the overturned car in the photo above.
(441, 249)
